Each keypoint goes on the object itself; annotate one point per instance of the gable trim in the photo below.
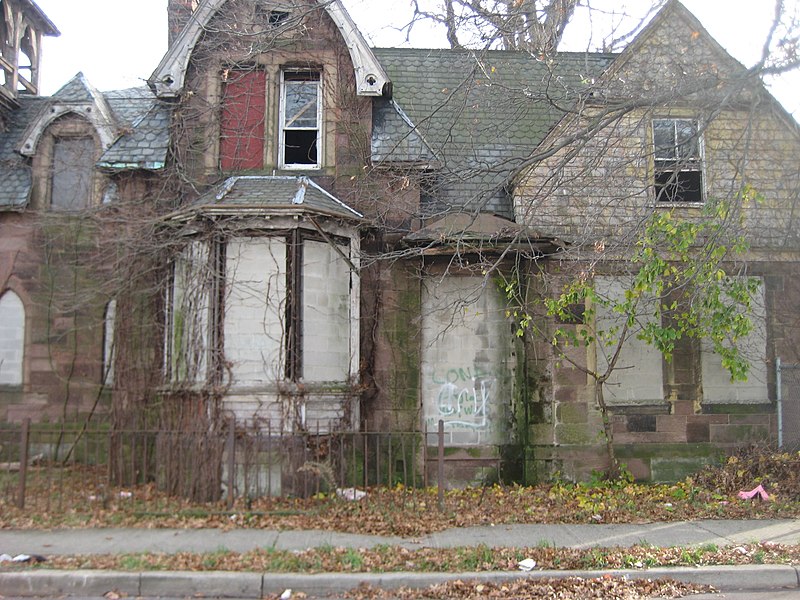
(167, 80)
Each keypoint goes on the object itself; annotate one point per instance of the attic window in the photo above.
(678, 161)
(275, 18)
(301, 115)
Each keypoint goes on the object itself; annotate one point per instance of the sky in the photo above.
(118, 43)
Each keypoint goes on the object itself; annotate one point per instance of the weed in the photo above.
(134, 562)
(352, 559)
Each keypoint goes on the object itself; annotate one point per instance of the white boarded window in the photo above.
(467, 360)
(255, 310)
(108, 342)
(12, 338)
(326, 313)
(717, 384)
(193, 284)
(638, 376)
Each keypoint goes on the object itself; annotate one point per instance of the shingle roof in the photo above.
(481, 113)
(15, 170)
(145, 144)
(270, 193)
(143, 121)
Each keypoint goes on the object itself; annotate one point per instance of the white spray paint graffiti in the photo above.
(465, 406)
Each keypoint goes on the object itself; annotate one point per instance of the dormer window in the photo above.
(300, 118)
(678, 161)
(71, 177)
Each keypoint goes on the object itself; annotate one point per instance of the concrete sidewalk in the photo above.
(254, 585)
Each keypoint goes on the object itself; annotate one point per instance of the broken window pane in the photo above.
(678, 175)
(300, 119)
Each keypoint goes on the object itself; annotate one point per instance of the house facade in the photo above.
(295, 231)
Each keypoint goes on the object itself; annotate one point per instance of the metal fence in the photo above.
(53, 467)
(788, 386)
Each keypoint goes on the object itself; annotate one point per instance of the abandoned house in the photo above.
(292, 229)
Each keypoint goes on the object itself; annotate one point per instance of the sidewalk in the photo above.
(254, 585)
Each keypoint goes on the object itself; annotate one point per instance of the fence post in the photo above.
(779, 399)
(231, 443)
(24, 439)
(440, 464)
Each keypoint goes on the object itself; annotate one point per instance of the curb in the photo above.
(221, 584)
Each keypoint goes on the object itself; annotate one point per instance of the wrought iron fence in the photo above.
(53, 467)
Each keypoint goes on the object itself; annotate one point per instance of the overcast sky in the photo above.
(118, 43)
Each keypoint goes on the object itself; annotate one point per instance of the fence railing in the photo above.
(787, 376)
(54, 466)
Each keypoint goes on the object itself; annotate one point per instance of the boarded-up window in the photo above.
(467, 361)
(326, 313)
(637, 377)
(717, 384)
(71, 181)
(108, 342)
(242, 121)
(255, 306)
(192, 289)
(12, 338)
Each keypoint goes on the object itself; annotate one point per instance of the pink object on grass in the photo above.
(757, 491)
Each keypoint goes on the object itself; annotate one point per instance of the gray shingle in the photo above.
(146, 143)
(481, 114)
(271, 193)
(15, 170)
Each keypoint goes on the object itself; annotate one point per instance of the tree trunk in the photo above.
(608, 430)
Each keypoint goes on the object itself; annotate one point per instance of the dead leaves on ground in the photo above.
(570, 588)
(468, 559)
(405, 512)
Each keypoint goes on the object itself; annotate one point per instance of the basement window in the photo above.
(301, 115)
(678, 161)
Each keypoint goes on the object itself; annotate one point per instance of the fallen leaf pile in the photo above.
(80, 497)
(570, 588)
(778, 472)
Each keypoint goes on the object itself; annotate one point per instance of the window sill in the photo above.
(664, 204)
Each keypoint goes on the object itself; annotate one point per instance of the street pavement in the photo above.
(44, 582)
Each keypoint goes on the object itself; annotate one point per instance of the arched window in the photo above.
(12, 338)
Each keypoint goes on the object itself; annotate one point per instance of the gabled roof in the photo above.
(168, 78)
(248, 194)
(37, 15)
(480, 114)
(143, 140)
(78, 97)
